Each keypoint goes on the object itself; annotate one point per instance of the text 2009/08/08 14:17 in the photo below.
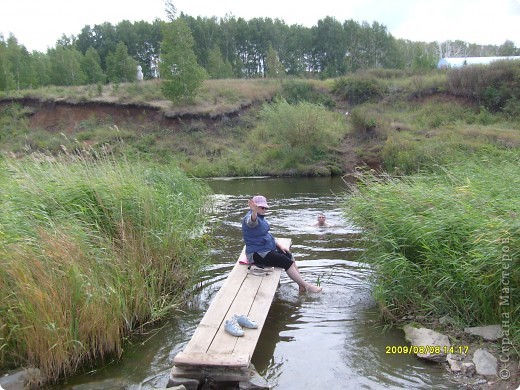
(437, 349)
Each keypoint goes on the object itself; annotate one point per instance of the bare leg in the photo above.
(302, 287)
(294, 274)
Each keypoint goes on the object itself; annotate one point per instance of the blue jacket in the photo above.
(256, 235)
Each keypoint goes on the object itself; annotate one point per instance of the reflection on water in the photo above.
(328, 340)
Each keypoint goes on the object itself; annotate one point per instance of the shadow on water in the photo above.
(331, 340)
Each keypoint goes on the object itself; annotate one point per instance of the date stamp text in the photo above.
(424, 349)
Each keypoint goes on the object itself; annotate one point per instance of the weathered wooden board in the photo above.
(241, 293)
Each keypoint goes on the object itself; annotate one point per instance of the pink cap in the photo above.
(260, 201)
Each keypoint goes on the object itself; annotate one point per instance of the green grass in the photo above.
(413, 151)
(92, 249)
(437, 240)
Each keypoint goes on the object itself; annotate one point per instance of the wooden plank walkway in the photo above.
(241, 293)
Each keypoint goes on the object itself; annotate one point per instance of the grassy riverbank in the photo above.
(446, 243)
(442, 216)
(230, 121)
(92, 249)
(401, 121)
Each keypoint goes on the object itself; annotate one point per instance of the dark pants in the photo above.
(274, 259)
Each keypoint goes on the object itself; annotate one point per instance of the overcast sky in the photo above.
(38, 24)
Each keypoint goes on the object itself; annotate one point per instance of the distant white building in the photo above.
(457, 62)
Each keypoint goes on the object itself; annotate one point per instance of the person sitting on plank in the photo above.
(263, 249)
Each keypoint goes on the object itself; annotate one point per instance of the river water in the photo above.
(325, 341)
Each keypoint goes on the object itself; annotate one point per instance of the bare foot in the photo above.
(311, 288)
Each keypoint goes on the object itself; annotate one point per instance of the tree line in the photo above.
(226, 47)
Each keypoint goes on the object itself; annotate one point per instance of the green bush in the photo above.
(382, 73)
(512, 108)
(358, 90)
(492, 85)
(13, 124)
(290, 136)
(300, 91)
(366, 124)
(440, 114)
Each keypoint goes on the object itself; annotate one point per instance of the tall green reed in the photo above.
(437, 239)
(92, 249)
